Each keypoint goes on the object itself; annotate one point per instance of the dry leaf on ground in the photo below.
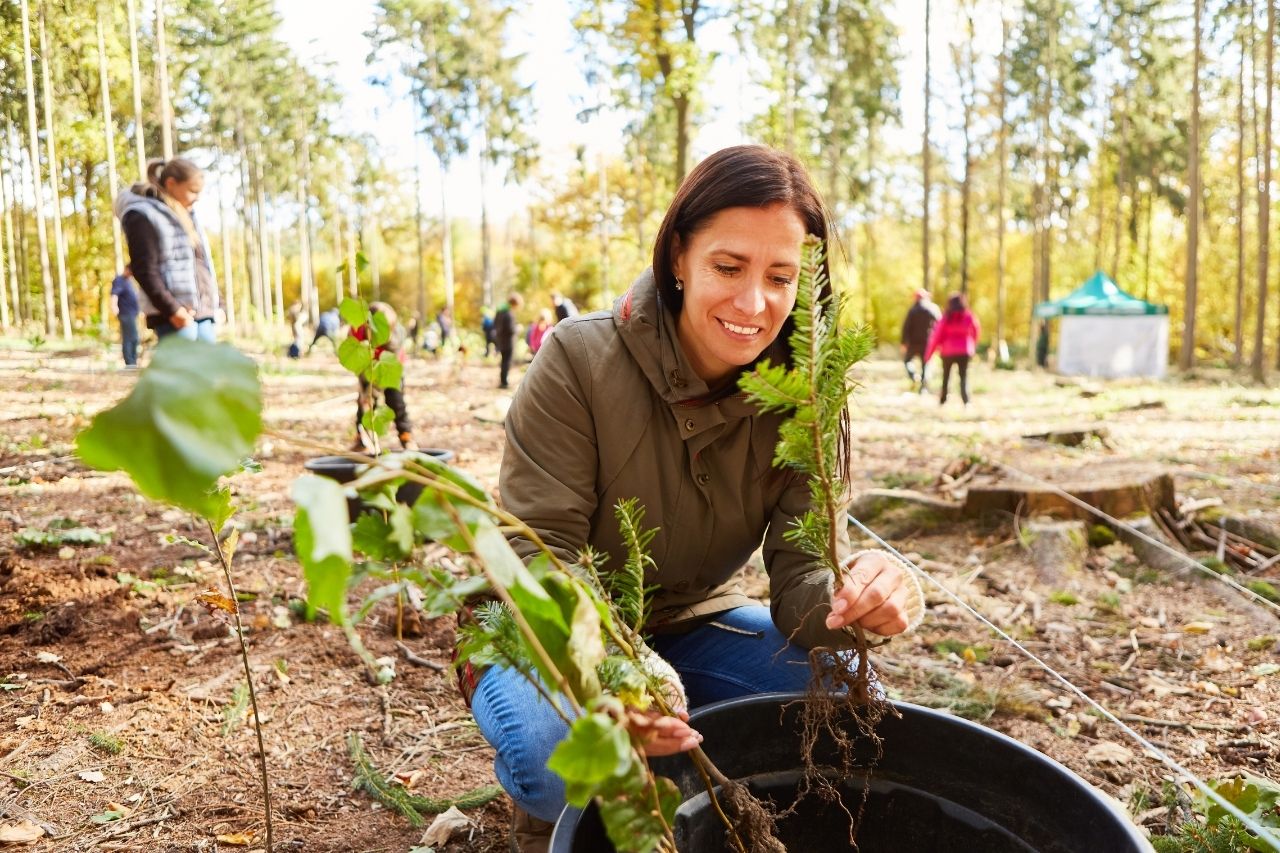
(23, 832)
(445, 826)
(1108, 752)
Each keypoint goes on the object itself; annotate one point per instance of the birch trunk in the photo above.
(139, 142)
(33, 156)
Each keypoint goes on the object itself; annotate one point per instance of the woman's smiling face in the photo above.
(739, 272)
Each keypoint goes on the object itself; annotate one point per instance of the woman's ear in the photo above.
(677, 257)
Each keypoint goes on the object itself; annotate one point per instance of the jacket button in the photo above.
(703, 479)
(689, 424)
(676, 379)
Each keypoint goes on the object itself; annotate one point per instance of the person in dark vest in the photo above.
(563, 305)
(168, 251)
(124, 304)
(916, 329)
(504, 335)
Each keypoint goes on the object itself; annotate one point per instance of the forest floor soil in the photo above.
(103, 646)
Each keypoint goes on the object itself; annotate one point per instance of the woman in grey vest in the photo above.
(169, 252)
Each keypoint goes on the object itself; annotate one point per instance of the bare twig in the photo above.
(418, 661)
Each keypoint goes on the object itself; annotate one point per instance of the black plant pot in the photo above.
(943, 785)
(344, 470)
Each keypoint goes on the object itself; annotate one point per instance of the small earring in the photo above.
(679, 283)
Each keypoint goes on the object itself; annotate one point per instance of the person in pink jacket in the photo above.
(956, 337)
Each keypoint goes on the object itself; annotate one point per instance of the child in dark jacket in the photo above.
(394, 397)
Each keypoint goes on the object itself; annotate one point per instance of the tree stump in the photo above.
(1058, 548)
(1118, 489)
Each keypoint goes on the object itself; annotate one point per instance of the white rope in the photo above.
(1200, 567)
(1262, 832)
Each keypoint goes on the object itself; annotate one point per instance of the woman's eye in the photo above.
(782, 281)
(724, 269)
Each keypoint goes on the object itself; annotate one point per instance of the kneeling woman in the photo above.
(642, 402)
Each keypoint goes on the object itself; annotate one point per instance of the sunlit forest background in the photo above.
(1059, 138)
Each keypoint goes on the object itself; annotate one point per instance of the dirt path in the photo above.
(120, 723)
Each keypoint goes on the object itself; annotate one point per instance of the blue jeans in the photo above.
(129, 339)
(750, 656)
(201, 330)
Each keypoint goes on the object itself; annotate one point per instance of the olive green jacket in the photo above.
(610, 409)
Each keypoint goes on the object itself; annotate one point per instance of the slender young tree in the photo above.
(109, 134)
(162, 70)
(139, 129)
(1237, 357)
(1258, 363)
(1188, 354)
(33, 157)
(1002, 156)
(926, 152)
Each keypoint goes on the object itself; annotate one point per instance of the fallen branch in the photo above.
(418, 661)
(1178, 724)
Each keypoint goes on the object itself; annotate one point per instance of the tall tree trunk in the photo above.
(272, 314)
(1002, 139)
(55, 173)
(33, 155)
(109, 128)
(16, 224)
(1237, 356)
(306, 275)
(966, 188)
(603, 188)
(6, 253)
(1188, 355)
(421, 249)
(1146, 252)
(335, 226)
(9, 272)
(375, 274)
(1258, 364)
(446, 244)
(1121, 184)
(278, 256)
(228, 277)
(253, 315)
(353, 268)
(162, 69)
(486, 271)
(926, 151)
(139, 133)
(869, 234)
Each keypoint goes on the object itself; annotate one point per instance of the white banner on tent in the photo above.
(1111, 346)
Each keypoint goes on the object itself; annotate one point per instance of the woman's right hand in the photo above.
(181, 318)
(659, 734)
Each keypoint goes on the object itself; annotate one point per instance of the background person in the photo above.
(916, 328)
(327, 326)
(504, 335)
(394, 397)
(563, 306)
(642, 402)
(124, 305)
(955, 336)
(168, 251)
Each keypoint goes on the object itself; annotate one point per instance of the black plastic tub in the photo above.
(943, 785)
(344, 470)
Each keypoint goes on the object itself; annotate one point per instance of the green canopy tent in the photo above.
(1104, 331)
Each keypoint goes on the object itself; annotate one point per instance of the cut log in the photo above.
(1073, 437)
(1149, 554)
(1116, 489)
(899, 512)
(1260, 530)
(1058, 548)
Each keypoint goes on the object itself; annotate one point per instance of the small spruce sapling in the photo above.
(814, 440)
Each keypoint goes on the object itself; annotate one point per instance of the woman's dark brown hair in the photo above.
(741, 176)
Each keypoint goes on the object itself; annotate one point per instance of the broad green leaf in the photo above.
(353, 312)
(191, 418)
(373, 536)
(434, 523)
(596, 750)
(446, 593)
(586, 643)
(380, 329)
(375, 421)
(387, 371)
(221, 508)
(322, 539)
(510, 571)
(632, 820)
(354, 355)
(362, 262)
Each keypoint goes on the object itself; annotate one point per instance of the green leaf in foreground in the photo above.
(634, 822)
(193, 415)
(596, 750)
(322, 539)
(354, 355)
(353, 312)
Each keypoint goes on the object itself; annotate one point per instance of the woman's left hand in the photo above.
(874, 596)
